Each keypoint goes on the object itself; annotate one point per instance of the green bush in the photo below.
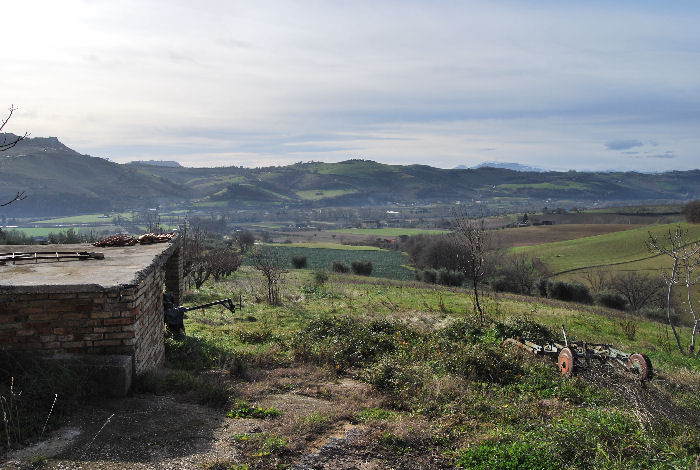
(299, 261)
(611, 299)
(320, 277)
(427, 275)
(362, 268)
(520, 327)
(340, 267)
(450, 278)
(569, 291)
(541, 285)
(343, 342)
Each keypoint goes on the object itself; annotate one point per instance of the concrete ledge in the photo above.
(109, 375)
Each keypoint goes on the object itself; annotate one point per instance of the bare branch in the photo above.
(5, 144)
(18, 197)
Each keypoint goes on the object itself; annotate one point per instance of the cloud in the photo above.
(667, 154)
(623, 144)
(399, 82)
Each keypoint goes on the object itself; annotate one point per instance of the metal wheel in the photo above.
(642, 365)
(566, 362)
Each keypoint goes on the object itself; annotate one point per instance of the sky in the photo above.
(583, 85)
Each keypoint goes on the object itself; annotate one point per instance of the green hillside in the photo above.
(601, 250)
(60, 181)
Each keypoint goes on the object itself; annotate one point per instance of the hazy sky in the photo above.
(555, 84)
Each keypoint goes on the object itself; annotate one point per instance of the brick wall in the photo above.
(123, 320)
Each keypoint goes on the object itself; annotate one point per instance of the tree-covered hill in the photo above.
(58, 180)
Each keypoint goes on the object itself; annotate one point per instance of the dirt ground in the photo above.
(147, 431)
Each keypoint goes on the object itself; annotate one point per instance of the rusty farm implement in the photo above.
(175, 315)
(573, 356)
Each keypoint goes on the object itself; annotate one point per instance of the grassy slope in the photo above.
(535, 235)
(517, 423)
(601, 250)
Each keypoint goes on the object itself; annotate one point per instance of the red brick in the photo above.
(118, 321)
(107, 342)
(107, 329)
(118, 335)
(99, 314)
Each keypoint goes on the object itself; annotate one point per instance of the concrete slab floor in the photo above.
(120, 266)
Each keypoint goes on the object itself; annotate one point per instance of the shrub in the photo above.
(658, 314)
(569, 291)
(691, 211)
(340, 267)
(427, 275)
(320, 277)
(541, 285)
(519, 327)
(502, 283)
(517, 274)
(362, 268)
(611, 299)
(450, 278)
(299, 261)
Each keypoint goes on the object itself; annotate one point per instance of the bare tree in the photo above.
(7, 144)
(268, 262)
(223, 262)
(193, 248)
(598, 279)
(638, 289)
(473, 240)
(685, 257)
(520, 272)
(244, 239)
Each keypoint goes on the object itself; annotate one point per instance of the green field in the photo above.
(390, 232)
(38, 231)
(85, 219)
(387, 264)
(317, 194)
(642, 210)
(601, 250)
(330, 246)
(564, 185)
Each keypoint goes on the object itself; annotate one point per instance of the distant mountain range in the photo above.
(505, 165)
(60, 181)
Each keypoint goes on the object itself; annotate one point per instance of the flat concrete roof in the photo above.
(124, 265)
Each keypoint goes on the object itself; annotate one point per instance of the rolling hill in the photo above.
(60, 181)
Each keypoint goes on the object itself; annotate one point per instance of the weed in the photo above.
(254, 336)
(396, 444)
(374, 414)
(241, 409)
(506, 455)
(628, 325)
(315, 418)
(225, 465)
